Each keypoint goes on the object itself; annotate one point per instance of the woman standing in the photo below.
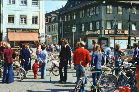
(96, 62)
(117, 57)
(42, 58)
(8, 76)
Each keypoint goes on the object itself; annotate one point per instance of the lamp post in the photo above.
(115, 31)
(62, 29)
(129, 28)
(73, 31)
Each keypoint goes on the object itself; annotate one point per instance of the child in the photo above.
(35, 68)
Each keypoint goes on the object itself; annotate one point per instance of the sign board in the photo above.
(73, 29)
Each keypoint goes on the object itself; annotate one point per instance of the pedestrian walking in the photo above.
(25, 57)
(42, 58)
(81, 58)
(97, 61)
(64, 56)
(8, 76)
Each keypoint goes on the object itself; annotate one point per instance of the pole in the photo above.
(73, 40)
(114, 33)
(62, 29)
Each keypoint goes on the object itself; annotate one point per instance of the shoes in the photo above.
(63, 82)
(60, 81)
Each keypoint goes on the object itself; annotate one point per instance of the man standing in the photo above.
(65, 55)
(81, 58)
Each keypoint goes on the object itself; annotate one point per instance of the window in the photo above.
(34, 19)
(97, 25)
(49, 28)
(74, 16)
(10, 18)
(120, 10)
(65, 18)
(88, 12)
(34, 2)
(23, 2)
(109, 9)
(97, 10)
(91, 25)
(133, 26)
(23, 19)
(91, 13)
(93, 10)
(81, 13)
(82, 27)
(69, 17)
(11, 2)
(133, 10)
(108, 25)
(119, 25)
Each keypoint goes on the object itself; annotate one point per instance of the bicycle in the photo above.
(106, 82)
(54, 69)
(19, 71)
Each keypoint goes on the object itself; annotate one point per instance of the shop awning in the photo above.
(22, 36)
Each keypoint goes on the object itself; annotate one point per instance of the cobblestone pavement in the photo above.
(42, 85)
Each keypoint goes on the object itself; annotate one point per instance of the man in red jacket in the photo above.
(81, 58)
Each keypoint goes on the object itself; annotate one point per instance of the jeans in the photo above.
(8, 76)
(96, 76)
(80, 71)
(43, 71)
(61, 66)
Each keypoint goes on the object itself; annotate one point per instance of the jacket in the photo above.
(81, 56)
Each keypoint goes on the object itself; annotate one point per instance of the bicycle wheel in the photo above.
(78, 85)
(55, 70)
(107, 83)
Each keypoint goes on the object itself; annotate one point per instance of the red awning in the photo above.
(22, 36)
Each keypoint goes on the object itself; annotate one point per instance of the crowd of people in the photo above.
(81, 58)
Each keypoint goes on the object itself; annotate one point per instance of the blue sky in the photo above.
(53, 5)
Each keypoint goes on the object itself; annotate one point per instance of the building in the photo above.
(22, 21)
(51, 29)
(104, 21)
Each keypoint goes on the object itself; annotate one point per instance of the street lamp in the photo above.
(73, 31)
(115, 31)
(62, 29)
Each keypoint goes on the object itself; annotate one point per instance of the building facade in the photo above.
(105, 22)
(22, 21)
(51, 29)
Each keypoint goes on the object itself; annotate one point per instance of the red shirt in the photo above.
(81, 56)
(35, 67)
(8, 55)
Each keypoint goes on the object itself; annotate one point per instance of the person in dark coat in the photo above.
(25, 58)
(8, 76)
(65, 55)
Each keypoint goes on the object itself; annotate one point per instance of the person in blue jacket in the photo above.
(42, 58)
(96, 62)
(25, 57)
